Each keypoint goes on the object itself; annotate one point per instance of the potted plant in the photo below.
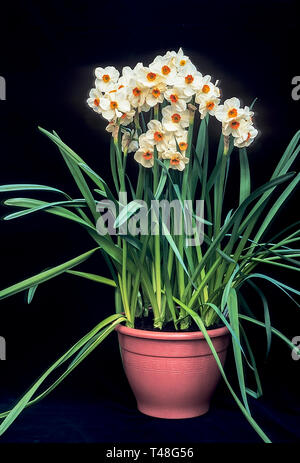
(178, 260)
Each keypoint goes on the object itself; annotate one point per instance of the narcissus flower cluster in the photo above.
(171, 89)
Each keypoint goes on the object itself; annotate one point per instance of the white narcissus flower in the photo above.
(208, 105)
(179, 138)
(145, 154)
(182, 61)
(127, 118)
(157, 135)
(247, 114)
(245, 134)
(237, 127)
(114, 104)
(136, 93)
(207, 89)
(155, 95)
(127, 75)
(174, 120)
(230, 110)
(231, 127)
(190, 81)
(146, 77)
(164, 66)
(94, 100)
(177, 98)
(177, 160)
(106, 78)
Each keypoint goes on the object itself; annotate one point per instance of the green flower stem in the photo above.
(170, 261)
(180, 271)
(181, 286)
(218, 197)
(124, 285)
(157, 257)
(137, 123)
(121, 171)
(218, 203)
(268, 261)
(157, 269)
(136, 284)
(140, 182)
(188, 154)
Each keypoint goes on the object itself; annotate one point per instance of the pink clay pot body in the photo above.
(172, 375)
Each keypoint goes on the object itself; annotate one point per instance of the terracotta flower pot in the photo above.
(172, 375)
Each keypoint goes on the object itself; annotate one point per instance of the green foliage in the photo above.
(181, 283)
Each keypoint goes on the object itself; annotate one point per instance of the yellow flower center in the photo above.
(175, 160)
(155, 92)
(189, 79)
(165, 70)
(176, 118)
(151, 76)
(205, 88)
(112, 91)
(120, 86)
(174, 98)
(182, 145)
(234, 125)
(106, 78)
(182, 62)
(158, 136)
(96, 101)
(148, 155)
(232, 112)
(136, 91)
(210, 105)
(113, 105)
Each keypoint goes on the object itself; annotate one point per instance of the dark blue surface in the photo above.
(79, 419)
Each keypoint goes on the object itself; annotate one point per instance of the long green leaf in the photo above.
(46, 275)
(24, 402)
(29, 187)
(37, 205)
(266, 315)
(245, 185)
(274, 330)
(93, 277)
(232, 305)
(276, 206)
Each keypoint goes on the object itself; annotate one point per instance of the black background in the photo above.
(48, 56)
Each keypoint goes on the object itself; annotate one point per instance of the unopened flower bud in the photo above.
(115, 132)
(192, 107)
(226, 144)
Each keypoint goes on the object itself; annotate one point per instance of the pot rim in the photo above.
(171, 336)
